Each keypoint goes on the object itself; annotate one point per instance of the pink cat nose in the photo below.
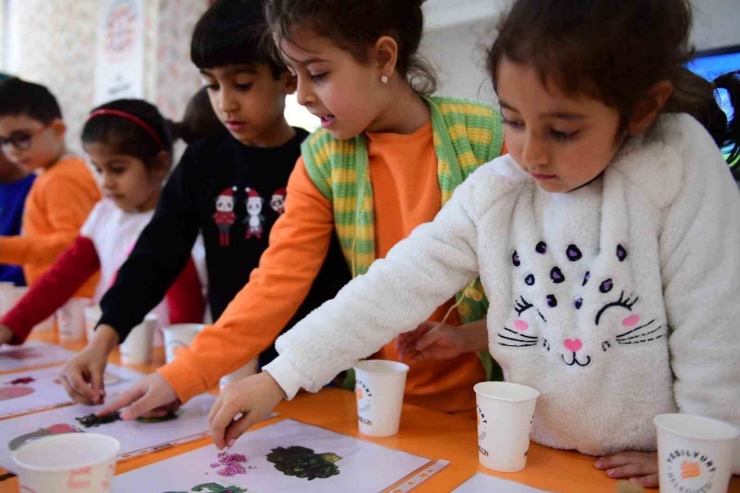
(573, 345)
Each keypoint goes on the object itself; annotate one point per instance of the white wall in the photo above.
(716, 23)
(455, 47)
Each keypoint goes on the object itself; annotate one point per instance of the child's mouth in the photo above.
(327, 120)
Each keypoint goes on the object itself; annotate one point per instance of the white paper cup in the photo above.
(505, 415)
(68, 463)
(694, 453)
(137, 348)
(177, 336)
(71, 320)
(245, 371)
(10, 296)
(93, 313)
(45, 326)
(379, 386)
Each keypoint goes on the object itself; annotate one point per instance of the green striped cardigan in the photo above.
(466, 135)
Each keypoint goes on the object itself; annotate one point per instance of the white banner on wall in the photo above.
(119, 67)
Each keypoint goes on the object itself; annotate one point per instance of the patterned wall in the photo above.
(53, 42)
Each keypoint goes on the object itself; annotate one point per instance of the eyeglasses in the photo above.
(21, 139)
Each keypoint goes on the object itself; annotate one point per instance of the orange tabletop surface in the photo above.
(423, 432)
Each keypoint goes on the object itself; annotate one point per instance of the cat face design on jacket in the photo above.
(617, 322)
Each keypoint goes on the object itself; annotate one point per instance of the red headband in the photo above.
(129, 117)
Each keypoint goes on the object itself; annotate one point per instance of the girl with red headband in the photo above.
(130, 145)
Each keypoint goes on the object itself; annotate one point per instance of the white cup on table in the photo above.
(137, 348)
(505, 412)
(71, 320)
(379, 387)
(68, 463)
(177, 336)
(93, 313)
(245, 371)
(10, 296)
(694, 453)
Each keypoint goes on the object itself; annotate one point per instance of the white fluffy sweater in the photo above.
(618, 301)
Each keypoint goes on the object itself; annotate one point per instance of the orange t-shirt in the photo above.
(406, 193)
(57, 206)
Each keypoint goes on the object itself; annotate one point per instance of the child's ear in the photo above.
(386, 55)
(290, 82)
(59, 128)
(163, 161)
(647, 109)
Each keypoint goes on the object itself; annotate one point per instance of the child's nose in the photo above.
(573, 345)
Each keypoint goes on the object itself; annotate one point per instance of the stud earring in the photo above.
(384, 79)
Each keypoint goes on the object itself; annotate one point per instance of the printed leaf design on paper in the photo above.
(8, 393)
(91, 420)
(303, 463)
(22, 381)
(214, 488)
(57, 429)
(158, 419)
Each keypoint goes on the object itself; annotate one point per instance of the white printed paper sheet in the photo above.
(136, 437)
(483, 483)
(37, 390)
(285, 457)
(32, 354)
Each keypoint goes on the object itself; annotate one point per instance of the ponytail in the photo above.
(731, 138)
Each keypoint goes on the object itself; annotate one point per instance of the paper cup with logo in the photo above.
(379, 385)
(68, 463)
(505, 412)
(137, 348)
(71, 320)
(93, 314)
(10, 296)
(177, 336)
(245, 371)
(694, 453)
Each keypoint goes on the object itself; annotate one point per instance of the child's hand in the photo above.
(150, 397)
(83, 375)
(6, 335)
(431, 341)
(253, 397)
(639, 467)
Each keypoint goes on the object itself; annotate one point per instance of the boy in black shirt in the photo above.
(230, 187)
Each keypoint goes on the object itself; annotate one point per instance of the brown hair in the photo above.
(615, 51)
(355, 25)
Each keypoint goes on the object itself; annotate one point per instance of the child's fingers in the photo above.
(240, 426)
(214, 410)
(98, 386)
(148, 405)
(221, 420)
(623, 459)
(632, 471)
(128, 397)
(430, 338)
(652, 481)
(73, 394)
(80, 386)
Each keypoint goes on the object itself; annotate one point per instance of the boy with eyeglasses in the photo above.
(32, 136)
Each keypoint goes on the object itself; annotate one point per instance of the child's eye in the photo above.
(244, 87)
(211, 87)
(564, 136)
(319, 77)
(513, 123)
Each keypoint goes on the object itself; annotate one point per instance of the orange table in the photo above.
(423, 432)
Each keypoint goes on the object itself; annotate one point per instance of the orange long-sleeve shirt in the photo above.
(57, 206)
(403, 172)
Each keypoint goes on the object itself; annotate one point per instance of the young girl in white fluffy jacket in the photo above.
(607, 243)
